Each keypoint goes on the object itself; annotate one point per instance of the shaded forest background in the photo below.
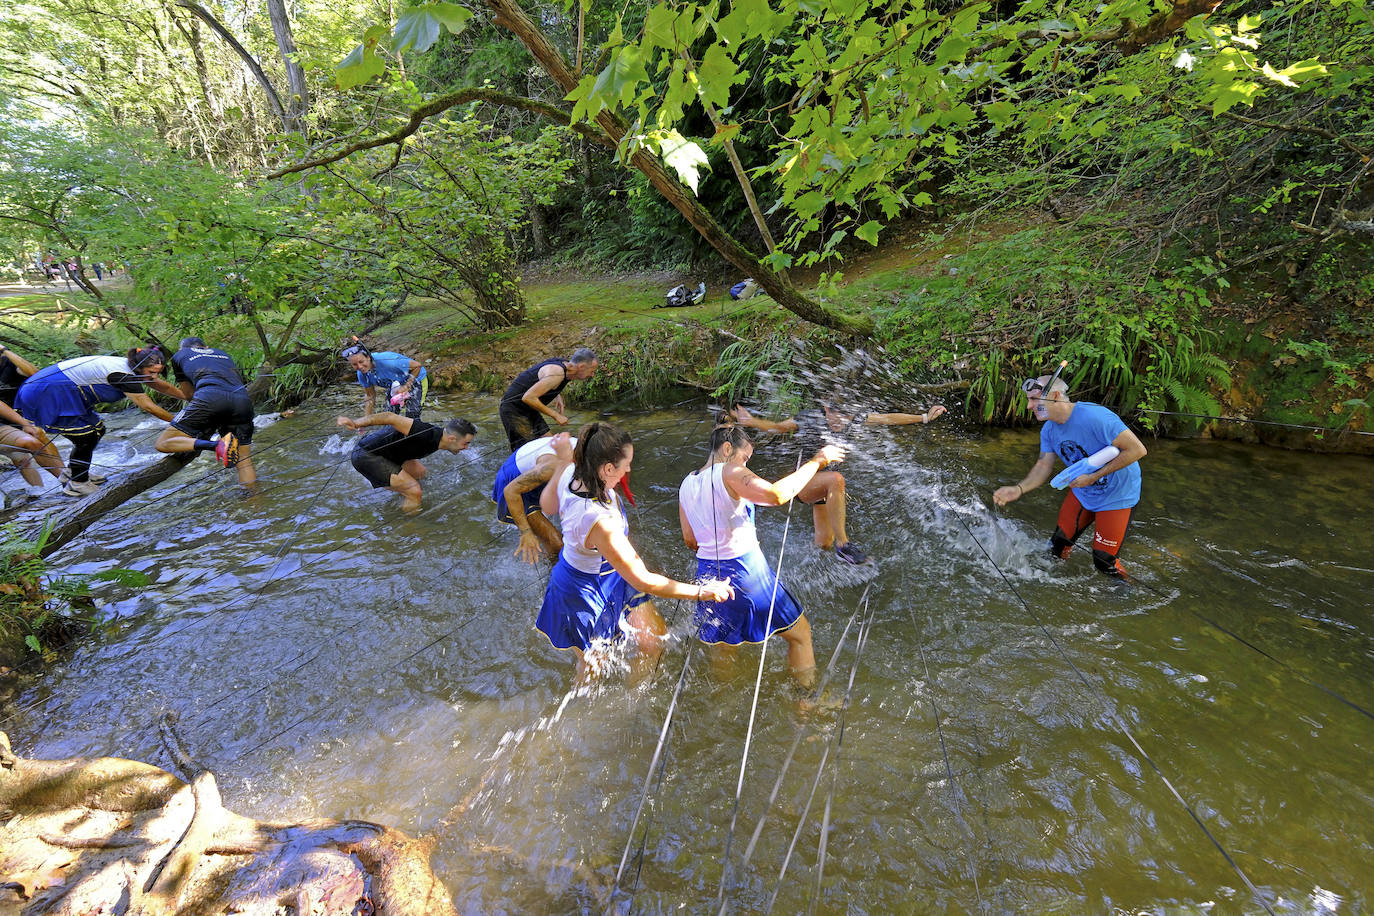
(1178, 198)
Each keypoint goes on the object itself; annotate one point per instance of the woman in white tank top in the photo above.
(599, 588)
(716, 509)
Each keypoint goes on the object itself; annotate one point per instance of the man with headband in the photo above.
(1079, 433)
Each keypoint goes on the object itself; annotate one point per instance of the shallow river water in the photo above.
(1021, 736)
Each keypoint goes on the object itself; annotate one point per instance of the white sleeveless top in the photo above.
(577, 515)
(527, 454)
(723, 525)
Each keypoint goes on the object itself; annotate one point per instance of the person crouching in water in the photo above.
(599, 588)
(391, 457)
(716, 508)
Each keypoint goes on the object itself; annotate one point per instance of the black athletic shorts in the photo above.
(522, 424)
(374, 467)
(217, 410)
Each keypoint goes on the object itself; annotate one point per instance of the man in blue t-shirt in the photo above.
(385, 369)
(1073, 431)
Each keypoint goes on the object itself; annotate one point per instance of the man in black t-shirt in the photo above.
(390, 457)
(537, 394)
(219, 404)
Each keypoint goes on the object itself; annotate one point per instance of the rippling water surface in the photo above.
(1021, 736)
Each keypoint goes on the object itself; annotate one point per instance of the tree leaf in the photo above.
(869, 232)
(361, 65)
(684, 157)
(450, 15)
(416, 30)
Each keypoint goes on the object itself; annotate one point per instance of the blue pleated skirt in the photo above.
(744, 618)
(51, 400)
(579, 607)
(508, 471)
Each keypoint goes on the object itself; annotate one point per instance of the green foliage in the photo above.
(36, 607)
(760, 370)
(1014, 307)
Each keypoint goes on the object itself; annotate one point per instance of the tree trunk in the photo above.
(512, 18)
(68, 524)
(299, 102)
(249, 60)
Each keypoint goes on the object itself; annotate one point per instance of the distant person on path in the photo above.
(96, 267)
(520, 482)
(61, 399)
(716, 510)
(599, 588)
(536, 396)
(404, 380)
(219, 404)
(1106, 496)
(390, 457)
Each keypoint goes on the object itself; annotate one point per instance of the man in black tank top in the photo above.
(390, 457)
(535, 397)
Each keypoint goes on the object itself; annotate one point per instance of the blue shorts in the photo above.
(580, 607)
(744, 618)
(51, 401)
(504, 475)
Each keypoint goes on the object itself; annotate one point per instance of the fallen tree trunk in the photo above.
(112, 835)
(68, 524)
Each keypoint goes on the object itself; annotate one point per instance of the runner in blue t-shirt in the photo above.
(1075, 430)
(384, 369)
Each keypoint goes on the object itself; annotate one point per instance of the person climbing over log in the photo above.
(1099, 496)
(520, 482)
(599, 588)
(21, 441)
(404, 379)
(219, 404)
(536, 396)
(716, 510)
(390, 457)
(61, 399)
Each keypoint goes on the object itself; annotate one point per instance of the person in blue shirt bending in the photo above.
(403, 379)
(1106, 495)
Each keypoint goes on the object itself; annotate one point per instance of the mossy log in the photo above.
(118, 836)
(68, 524)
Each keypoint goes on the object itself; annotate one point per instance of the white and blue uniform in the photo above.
(586, 598)
(62, 397)
(728, 548)
(522, 461)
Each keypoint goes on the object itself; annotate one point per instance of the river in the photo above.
(1021, 736)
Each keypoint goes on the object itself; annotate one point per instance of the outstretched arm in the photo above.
(25, 367)
(621, 554)
(1040, 472)
(743, 483)
(537, 476)
(743, 417)
(904, 419)
(146, 404)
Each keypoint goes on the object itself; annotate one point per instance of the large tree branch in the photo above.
(248, 59)
(439, 105)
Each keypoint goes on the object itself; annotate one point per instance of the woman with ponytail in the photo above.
(716, 510)
(61, 399)
(599, 587)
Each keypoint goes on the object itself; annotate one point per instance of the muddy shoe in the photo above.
(227, 450)
(851, 554)
(80, 487)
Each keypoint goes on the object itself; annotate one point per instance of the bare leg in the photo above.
(800, 656)
(173, 441)
(408, 487)
(650, 631)
(248, 476)
(24, 450)
(828, 518)
(722, 656)
(415, 469)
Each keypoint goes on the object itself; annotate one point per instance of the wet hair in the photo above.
(137, 358)
(729, 432)
(458, 427)
(582, 355)
(597, 444)
(191, 342)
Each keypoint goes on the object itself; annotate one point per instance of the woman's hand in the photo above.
(562, 446)
(828, 454)
(715, 591)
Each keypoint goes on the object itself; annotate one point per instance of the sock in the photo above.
(205, 445)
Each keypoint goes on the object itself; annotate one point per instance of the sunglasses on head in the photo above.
(354, 350)
(1031, 386)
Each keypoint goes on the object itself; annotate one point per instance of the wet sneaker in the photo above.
(95, 478)
(80, 487)
(227, 450)
(851, 554)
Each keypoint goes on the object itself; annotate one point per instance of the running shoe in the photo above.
(227, 450)
(80, 487)
(95, 478)
(848, 553)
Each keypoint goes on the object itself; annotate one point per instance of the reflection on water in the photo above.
(329, 656)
